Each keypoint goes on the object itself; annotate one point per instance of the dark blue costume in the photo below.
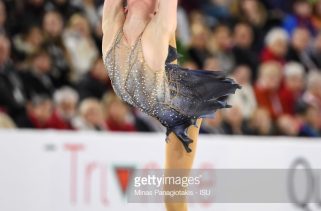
(177, 97)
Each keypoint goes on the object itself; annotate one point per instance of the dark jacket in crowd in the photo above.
(60, 73)
(36, 84)
(304, 58)
(12, 95)
(90, 87)
(246, 57)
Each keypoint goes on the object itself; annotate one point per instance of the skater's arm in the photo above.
(112, 11)
(112, 21)
(166, 16)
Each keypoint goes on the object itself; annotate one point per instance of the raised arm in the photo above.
(166, 16)
(112, 10)
(157, 35)
(113, 19)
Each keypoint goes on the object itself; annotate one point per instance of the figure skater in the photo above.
(140, 58)
(139, 61)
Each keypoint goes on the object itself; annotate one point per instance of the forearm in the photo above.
(112, 12)
(166, 17)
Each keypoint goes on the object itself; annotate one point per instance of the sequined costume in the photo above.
(177, 97)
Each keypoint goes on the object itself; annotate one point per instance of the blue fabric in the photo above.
(194, 94)
(290, 23)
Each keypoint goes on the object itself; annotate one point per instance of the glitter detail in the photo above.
(175, 96)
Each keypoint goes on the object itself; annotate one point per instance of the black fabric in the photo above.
(247, 57)
(23, 121)
(36, 84)
(12, 95)
(89, 87)
(60, 68)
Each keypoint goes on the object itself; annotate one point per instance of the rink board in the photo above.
(66, 171)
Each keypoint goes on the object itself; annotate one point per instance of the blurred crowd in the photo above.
(52, 74)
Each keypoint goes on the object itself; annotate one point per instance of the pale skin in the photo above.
(155, 20)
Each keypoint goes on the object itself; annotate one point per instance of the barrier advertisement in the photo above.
(66, 171)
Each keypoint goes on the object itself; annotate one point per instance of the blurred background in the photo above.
(52, 74)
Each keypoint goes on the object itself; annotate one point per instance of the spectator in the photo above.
(233, 122)
(283, 6)
(310, 115)
(251, 11)
(39, 111)
(56, 44)
(53, 27)
(191, 5)
(301, 17)
(198, 51)
(316, 50)
(15, 12)
(316, 19)
(254, 13)
(67, 8)
(276, 46)
(6, 122)
(222, 39)
(12, 95)
(36, 79)
(298, 50)
(80, 45)
(145, 123)
(267, 88)
(90, 116)
(287, 126)
(118, 115)
(65, 101)
(218, 10)
(312, 96)
(3, 17)
(91, 13)
(294, 84)
(242, 50)
(212, 63)
(96, 83)
(189, 64)
(27, 43)
(213, 125)
(260, 123)
(245, 98)
(36, 9)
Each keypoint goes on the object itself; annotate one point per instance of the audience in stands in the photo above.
(117, 114)
(52, 73)
(66, 101)
(95, 83)
(293, 88)
(39, 110)
(12, 91)
(36, 78)
(80, 45)
(90, 116)
(299, 49)
(276, 46)
(267, 88)
(245, 99)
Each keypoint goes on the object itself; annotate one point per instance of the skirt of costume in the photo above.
(177, 97)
